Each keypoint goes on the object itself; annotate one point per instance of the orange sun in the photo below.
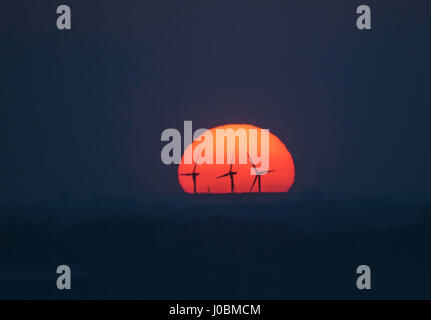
(225, 178)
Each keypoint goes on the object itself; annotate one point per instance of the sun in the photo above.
(236, 177)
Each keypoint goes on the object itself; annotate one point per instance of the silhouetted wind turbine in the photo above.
(230, 173)
(258, 176)
(193, 174)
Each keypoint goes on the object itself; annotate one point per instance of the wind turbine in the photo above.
(193, 174)
(230, 173)
(258, 175)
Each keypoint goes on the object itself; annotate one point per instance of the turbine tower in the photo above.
(231, 174)
(193, 174)
(259, 174)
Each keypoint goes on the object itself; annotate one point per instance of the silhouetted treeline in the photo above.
(211, 256)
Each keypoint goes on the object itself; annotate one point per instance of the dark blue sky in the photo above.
(83, 109)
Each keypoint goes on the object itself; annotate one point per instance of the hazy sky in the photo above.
(83, 110)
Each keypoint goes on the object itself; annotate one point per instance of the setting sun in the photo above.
(245, 177)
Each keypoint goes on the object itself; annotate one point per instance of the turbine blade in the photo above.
(223, 175)
(265, 172)
(194, 168)
(252, 162)
(186, 174)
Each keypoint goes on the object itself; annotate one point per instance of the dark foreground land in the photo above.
(212, 251)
